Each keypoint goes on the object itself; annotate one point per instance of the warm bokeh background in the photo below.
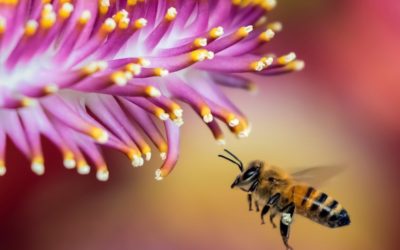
(342, 109)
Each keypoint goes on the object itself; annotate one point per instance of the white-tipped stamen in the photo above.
(221, 142)
(69, 163)
(102, 175)
(84, 169)
(233, 122)
(178, 112)
(137, 161)
(148, 156)
(208, 118)
(3, 170)
(37, 168)
(158, 176)
(179, 122)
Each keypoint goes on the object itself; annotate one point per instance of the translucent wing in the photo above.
(318, 175)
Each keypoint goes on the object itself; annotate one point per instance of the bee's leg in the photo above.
(271, 202)
(250, 201)
(257, 207)
(286, 220)
(271, 218)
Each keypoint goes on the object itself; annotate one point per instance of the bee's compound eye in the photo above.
(250, 173)
(271, 179)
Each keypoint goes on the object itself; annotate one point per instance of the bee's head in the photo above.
(248, 178)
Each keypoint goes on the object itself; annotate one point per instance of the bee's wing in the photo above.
(318, 175)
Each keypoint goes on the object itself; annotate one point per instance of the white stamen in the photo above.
(37, 168)
(221, 142)
(210, 55)
(158, 176)
(69, 163)
(234, 122)
(178, 112)
(164, 116)
(178, 122)
(148, 156)
(137, 161)
(154, 92)
(3, 170)
(84, 169)
(103, 138)
(208, 118)
(102, 175)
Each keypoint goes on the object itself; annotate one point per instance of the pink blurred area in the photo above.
(343, 108)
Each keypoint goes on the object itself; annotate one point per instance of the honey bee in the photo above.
(276, 191)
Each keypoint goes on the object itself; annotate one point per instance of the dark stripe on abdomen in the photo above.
(307, 196)
(318, 202)
(326, 210)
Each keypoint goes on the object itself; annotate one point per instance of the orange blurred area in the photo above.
(342, 109)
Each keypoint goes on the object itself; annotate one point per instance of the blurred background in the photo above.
(342, 109)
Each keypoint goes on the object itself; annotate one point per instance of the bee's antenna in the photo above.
(234, 156)
(239, 163)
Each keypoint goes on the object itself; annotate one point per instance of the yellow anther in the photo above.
(119, 78)
(85, 17)
(171, 14)
(104, 5)
(236, 2)
(124, 23)
(82, 167)
(144, 62)
(205, 112)
(257, 66)
(161, 72)
(146, 150)
(268, 5)
(267, 35)
(286, 58)
(232, 120)
(134, 68)
(66, 10)
(152, 91)
(132, 2)
(102, 173)
(3, 168)
(3, 25)
(244, 31)
(69, 160)
(122, 14)
(37, 165)
(200, 42)
(90, 69)
(109, 25)
(199, 55)
(98, 134)
(161, 114)
(140, 23)
(50, 89)
(48, 19)
(267, 61)
(216, 32)
(31, 27)
(28, 102)
(296, 65)
(47, 9)
(275, 26)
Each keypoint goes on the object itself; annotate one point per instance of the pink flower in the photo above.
(84, 73)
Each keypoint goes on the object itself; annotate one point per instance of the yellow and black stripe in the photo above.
(320, 207)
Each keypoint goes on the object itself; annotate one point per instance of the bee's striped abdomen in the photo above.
(321, 208)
